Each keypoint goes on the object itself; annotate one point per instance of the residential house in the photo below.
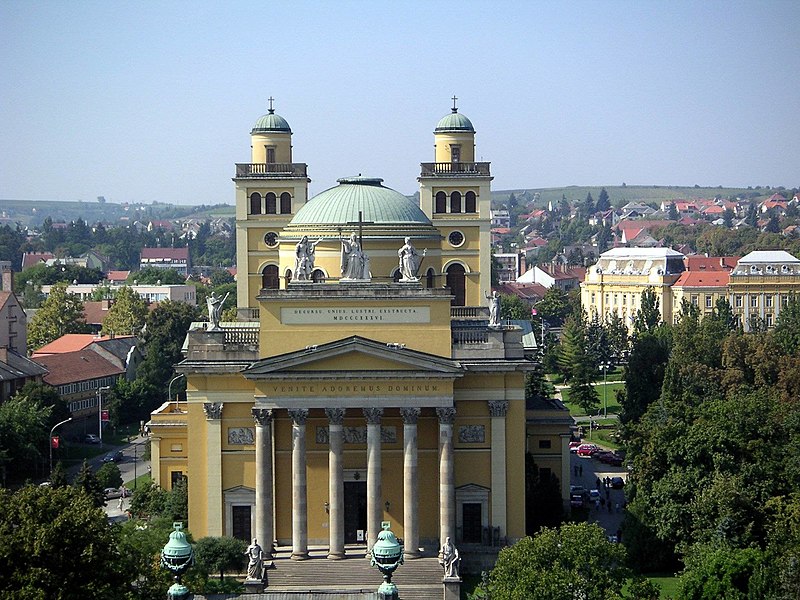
(15, 371)
(509, 265)
(562, 276)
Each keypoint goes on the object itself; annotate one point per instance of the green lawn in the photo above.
(668, 585)
(607, 391)
(138, 482)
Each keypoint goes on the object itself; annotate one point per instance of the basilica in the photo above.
(368, 377)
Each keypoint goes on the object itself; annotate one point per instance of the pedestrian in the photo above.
(607, 494)
(617, 506)
(597, 483)
(601, 501)
(597, 504)
(119, 504)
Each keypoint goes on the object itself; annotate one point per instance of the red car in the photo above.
(573, 447)
(587, 450)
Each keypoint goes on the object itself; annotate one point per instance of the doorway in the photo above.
(355, 510)
(471, 523)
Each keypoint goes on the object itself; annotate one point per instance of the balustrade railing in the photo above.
(258, 170)
(469, 312)
(470, 335)
(245, 336)
(438, 169)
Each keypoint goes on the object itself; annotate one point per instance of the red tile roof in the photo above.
(703, 279)
(71, 342)
(81, 365)
(29, 259)
(118, 275)
(699, 262)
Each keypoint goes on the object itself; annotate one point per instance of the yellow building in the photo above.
(758, 285)
(366, 380)
(616, 282)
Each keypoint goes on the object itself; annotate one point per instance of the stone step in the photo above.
(420, 579)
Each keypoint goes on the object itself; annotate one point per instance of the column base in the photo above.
(299, 556)
(409, 555)
(336, 556)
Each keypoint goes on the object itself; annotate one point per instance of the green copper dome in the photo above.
(454, 122)
(340, 205)
(271, 122)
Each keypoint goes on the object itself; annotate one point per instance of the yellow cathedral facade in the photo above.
(368, 377)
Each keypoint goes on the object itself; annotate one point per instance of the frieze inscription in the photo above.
(355, 314)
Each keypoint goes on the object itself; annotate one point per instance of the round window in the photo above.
(271, 239)
(456, 238)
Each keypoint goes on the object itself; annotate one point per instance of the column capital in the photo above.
(498, 408)
(410, 415)
(262, 416)
(447, 416)
(335, 415)
(298, 415)
(373, 415)
(213, 410)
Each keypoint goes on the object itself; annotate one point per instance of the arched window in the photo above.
(286, 203)
(269, 278)
(430, 278)
(272, 203)
(456, 281)
(255, 203)
(288, 276)
(470, 205)
(455, 202)
(318, 276)
(441, 203)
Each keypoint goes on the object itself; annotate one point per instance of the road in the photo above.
(130, 467)
(586, 472)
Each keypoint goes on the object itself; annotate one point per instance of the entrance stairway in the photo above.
(419, 579)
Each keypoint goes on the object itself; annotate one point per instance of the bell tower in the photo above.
(269, 191)
(455, 194)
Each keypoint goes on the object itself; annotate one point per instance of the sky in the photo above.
(154, 101)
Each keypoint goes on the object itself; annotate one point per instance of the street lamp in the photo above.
(51, 443)
(171, 381)
(99, 394)
(604, 366)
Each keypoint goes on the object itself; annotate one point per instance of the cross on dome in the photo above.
(271, 110)
(455, 108)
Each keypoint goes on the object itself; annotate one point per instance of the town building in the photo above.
(176, 259)
(150, 293)
(509, 265)
(359, 389)
(554, 274)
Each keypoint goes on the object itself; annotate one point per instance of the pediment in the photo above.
(353, 354)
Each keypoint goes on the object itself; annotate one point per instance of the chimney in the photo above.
(7, 279)
(4, 355)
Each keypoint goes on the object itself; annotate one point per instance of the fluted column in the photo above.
(335, 482)
(213, 412)
(447, 491)
(410, 485)
(299, 502)
(264, 532)
(374, 495)
(497, 411)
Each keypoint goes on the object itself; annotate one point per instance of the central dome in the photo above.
(455, 122)
(271, 122)
(340, 205)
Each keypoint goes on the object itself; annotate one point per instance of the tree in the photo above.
(23, 436)
(87, 481)
(220, 277)
(554, 306)
(572, 561)
(109, 476)
(603, 203)
(219, 554)
(60, 314)
(752, 216)
(672, 214)
(127, 313)
(648, 316)
(714, 572)
(148, 500)
(152, 275)
(55, 544)
(727, 218)
(644, 373)
(787, 327)
(45, 396)
(513, 307)
(617, 334)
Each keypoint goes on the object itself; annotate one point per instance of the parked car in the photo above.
(617, 483)
(576, 501)
(587, 450)
(573, 447)
(114, 457)
(113, 492)
(594, 495)
(91, 439)
(577, 489)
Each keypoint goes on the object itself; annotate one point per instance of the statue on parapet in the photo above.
(355, 263)
(494, 309)
(304, 259)
(215, 304)
(410, 260)
(449, 559)
(255, 564)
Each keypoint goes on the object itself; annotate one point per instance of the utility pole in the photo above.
(50, 439)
